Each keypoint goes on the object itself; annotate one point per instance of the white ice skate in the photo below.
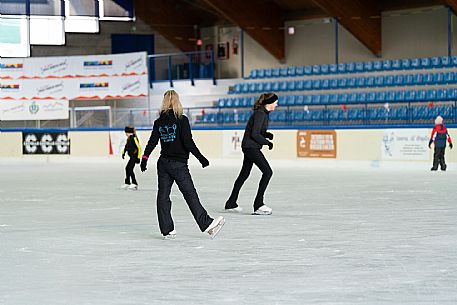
(124, 186)
(236, 210)
(263, 210)
(171, 235)
(133, 187)
(215, 226)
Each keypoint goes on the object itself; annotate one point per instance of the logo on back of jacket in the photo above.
(167, 133)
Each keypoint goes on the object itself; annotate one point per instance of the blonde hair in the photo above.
(171, 102)
(262, 97)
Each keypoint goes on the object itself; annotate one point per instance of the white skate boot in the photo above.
(215, 226)
(133, 187)
(171, 235)
(124, 186)
(263, 210)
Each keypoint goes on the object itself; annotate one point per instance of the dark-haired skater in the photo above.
(255, 137)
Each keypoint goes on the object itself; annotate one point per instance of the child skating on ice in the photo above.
(133, 150)
(439, 136)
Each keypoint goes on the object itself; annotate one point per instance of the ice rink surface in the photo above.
(68, 235)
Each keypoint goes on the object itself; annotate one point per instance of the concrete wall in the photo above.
(352, 145)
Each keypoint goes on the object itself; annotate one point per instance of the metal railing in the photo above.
(178, 66)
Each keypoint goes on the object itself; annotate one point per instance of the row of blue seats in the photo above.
(357, 67)
(449, 94)
(354, 114)
(348, 83)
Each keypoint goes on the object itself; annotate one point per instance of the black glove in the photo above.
(269, 135)
(144, 163)
(270, 146)
(430, 143)
(450, 145)
(123, 156)
(203, 161)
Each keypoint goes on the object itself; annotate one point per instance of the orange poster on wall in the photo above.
(316, 143)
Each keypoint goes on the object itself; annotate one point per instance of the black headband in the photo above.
(270, 100)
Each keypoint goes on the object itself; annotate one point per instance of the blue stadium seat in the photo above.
(438, 78)
(342, 68)
(308, 70)
(275, 72)
(308, 99)
(386, 65)
(253, 73)
(399, 96)
(316, 84)
(282, 100)
(300, 71)
(431, 95)
(410, 95)
(445, 61)
(388, 80)
(350, 67)
(237, 102)
(415, 63)
(290, 100)
(299, 85)
(405, 64)
(418, 79)
(316, 99)
(325, 98)
(360, 82)
(261, 73)
(325, 83)
(259, 87)
(221, 102)
(333, 83)
(282, 86)
(236, 89)
(379, 81)
(267, 87)
(396, 64)
(435, 62)
(351, 82)
(252, 88)
(333, 69)
(291, 71)
(451, 94)
(425, 63)
(352, 98)
(448, 78)
(342, 82)
(408, 79)
(333, 98)
(245, 88)
(268, 73)
(325, 69)
(368, 66)
(316, 69)
(307, 85)
(441, 95)
(421, 95)
(362, 97)
(369, 82)
(359, 67)
(390, 96)
(229, 117)
(398, 80)
(275, 86)
(299, 100)
(371, 97)
(283, 72)
(343, 97)
(427, 78)
(291, 85)
(245, 102)
(380, 96)
(377, 65)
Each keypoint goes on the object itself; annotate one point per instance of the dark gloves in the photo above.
(203, 161)
(450, 145)
(123, 155)
(144, 163)
(269, 135)
(430, 143)
(270, 146)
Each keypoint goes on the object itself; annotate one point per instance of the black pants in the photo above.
(438, 158)
(251, 156)
(129, 171)
(169, 171)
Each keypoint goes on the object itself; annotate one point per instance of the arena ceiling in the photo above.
(180, 21)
